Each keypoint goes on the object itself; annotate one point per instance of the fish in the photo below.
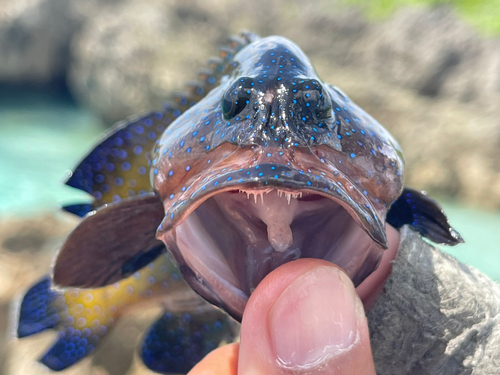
(259, 164)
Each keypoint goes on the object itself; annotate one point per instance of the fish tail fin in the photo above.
(81, 317)
(38, 311)
(177, 341)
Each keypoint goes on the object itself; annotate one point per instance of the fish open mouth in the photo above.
(229, 238)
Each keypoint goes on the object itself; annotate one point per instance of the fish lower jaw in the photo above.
(229, 243)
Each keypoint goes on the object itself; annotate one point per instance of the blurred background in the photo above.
(428, 70)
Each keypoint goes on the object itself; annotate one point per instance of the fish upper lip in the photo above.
(265, 176)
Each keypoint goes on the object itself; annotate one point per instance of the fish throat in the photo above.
(233, 239)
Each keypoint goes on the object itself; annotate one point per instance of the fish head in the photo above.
(271, 166)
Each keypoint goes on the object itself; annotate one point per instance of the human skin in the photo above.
(305, 317)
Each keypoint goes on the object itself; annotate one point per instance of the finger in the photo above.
(305, 317)
(221, 361)
(372, 286)
(224, 360)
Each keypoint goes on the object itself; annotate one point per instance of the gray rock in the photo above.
(129, 57)
(34, 38)
(435, 53)
(435, 316)
(477, 78)
(418, 48)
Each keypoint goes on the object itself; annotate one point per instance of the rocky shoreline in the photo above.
(424, 73)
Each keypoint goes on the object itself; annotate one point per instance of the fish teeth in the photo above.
(255, 194)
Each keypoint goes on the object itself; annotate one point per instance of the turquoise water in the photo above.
(42, 138)
(39, 144)
(481, 231)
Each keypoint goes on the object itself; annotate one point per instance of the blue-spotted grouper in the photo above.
(261, 163)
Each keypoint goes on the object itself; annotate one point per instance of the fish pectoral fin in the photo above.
(177, 341)
(110, 243)
(424, 215)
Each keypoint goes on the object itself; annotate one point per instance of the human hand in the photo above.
(304, 317)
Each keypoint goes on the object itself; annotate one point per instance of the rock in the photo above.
(418, 48)
(435, 53)
(477, 78)
(35, 36)
(128, 58)
(34, 39)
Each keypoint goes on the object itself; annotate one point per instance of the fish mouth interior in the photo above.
(232, 240)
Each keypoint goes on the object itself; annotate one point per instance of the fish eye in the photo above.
(236, 98)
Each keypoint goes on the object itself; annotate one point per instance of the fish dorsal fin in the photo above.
(118, 167)
(110, 243)
(424, 215)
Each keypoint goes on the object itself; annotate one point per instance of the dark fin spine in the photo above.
(176, 342)
(424, 215)
(226, 53)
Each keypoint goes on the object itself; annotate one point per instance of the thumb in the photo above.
(305, 317)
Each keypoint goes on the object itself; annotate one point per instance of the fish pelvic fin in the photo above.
(424, 215)
(118, 166)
